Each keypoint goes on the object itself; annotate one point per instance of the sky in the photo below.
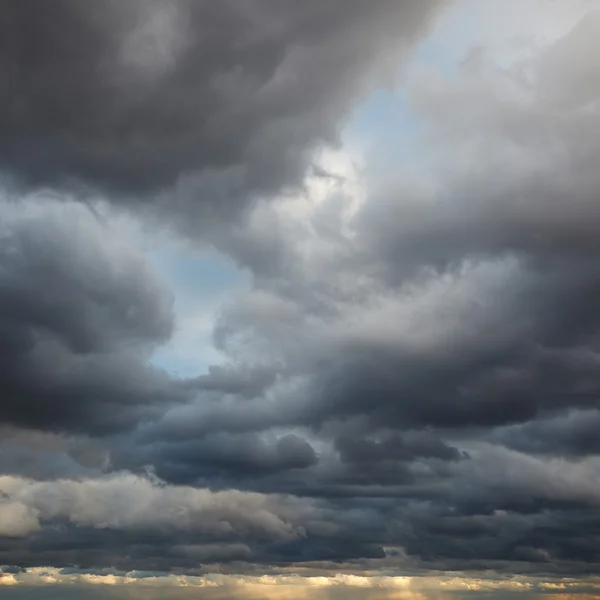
(299, 299)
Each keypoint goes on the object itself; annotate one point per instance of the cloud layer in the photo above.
(213, 104)
(411, 376)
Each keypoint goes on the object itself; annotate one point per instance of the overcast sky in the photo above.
(299, 299)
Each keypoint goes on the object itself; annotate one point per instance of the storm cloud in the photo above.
(81, 311)
(221, 101)
(409, 375)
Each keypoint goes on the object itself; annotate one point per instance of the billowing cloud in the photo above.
(129, 503)
(219, 101)
(81, 310)
(410, 379)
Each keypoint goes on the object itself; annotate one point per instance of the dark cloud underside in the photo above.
(130, 96)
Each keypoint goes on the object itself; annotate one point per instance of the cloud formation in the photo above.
(81, 311)
(222, 102)
(411, 376)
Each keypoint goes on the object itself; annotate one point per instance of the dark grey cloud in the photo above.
(445, 353)
(229, 380)
(133, 97)
(572, 433)
(89, 523)
(80, 313)
(41, 455)
(219, 458)
(394, 447)
(410, 381)
(496, 268)
(540, 151)
(490, 286)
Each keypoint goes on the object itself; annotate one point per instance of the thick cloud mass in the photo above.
(79, 312)
(411, 377)
(130, 96)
